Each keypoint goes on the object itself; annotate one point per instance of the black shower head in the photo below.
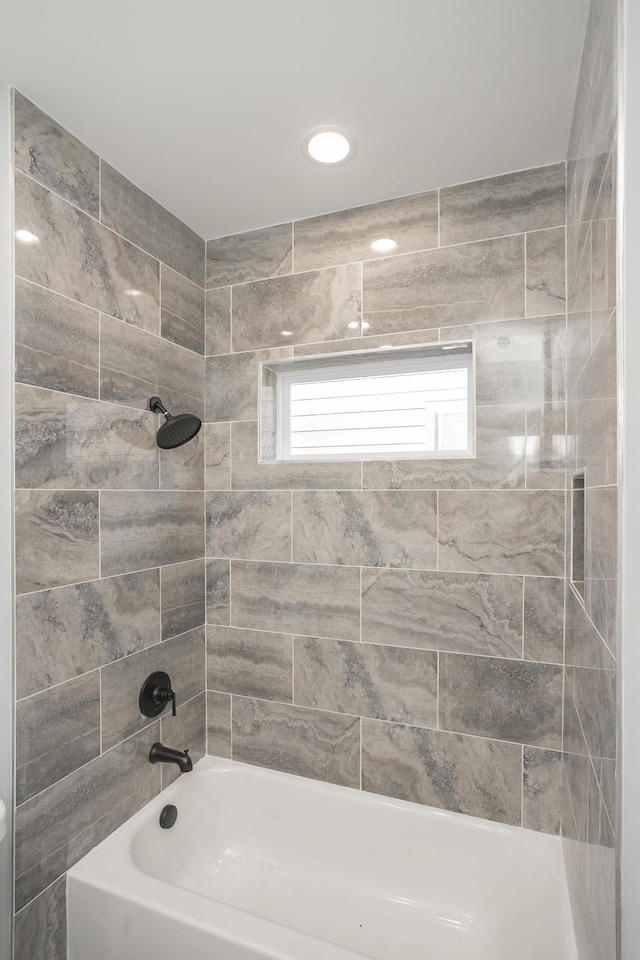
(175, 430)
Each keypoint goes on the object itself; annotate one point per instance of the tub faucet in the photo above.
(162, 754)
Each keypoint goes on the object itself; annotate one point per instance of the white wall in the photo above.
(6, 511)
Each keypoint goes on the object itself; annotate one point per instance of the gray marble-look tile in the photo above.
(596, 439)
(253, 255)
(138, 217)
(309, 307)
(182, 311)
(135, 366)
(512, 203)
(542, 783)
(594, 694)
(141, 529)
(81, 259)
(370, 528)
(547, 459)
(499, 459)
(57, 731)
(250, 663)
(296, 598)
(217, 456)
(468, 613)
(186, 731)
(346, 236)
(515, 531)
(481, 778)
(51, 155)
(598, 379)
(251, 525)
(601, 529)
(501, 699)
(57, 539)
(386, 683)
(40, 929)
(218, 597)
(384, 340)
(545, 259)
(578, 345)
(58, 826)
(440, 288)
(519, 362)
(544, 619)
(231, 384)
(217, 307)
(181, 657)
(599, 266)
(56, 341)
(63, 441)
(68, 631)
(308, 743)
(183, 597)
(183, 467)
(248, 474)
(219, 724)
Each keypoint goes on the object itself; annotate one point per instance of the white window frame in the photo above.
(378, 365)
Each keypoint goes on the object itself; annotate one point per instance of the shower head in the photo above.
(175, 430)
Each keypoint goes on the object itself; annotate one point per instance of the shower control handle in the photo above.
(155, 694)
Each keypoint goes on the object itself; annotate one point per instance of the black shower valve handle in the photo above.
(164, 695)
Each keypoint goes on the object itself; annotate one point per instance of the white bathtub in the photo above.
(263, 864)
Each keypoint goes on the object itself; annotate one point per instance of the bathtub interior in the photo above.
(376, 876)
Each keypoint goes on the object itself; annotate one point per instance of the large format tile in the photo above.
(253, 255)
(481, 778)
(308, 743)
(57, 342)
(217, 456)
(57, 538)
(502, 699)
(512, 203)
(182, 313)
(218, 597)
(469, 613)
(40, 929)
(374, 529)
(543, 619)
(386, 683)
(547, 456)
(251, 663)
(346, 236)
(51, 155)
(70, 442)
(183, 597)
(296, 598)
(68, 631)
(311, 307)
(251, 525)
(542, 782)
(219, 724)
(149, 529)
(499, 459)
(440, 288)
(92, 264)
(248, 474)
(57, 731)
(518, 531)
(231, 384)
(181, 657)
(138, 217)
(545, 256)
(58, 826)
(186, 731)
(217, 321)
(183, 467)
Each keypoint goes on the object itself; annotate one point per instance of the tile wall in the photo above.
(589, 805)
(396, 626)
(109, 532)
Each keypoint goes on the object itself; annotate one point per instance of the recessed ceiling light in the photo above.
(286, 333)
(383, 245)
(328, 145)
(25, 236)
(133, 293)
(353, 325)
(453, 346)
(365, 325)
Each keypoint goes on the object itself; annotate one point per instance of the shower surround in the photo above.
(394, 626)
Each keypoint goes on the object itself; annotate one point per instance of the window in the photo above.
(379, 404)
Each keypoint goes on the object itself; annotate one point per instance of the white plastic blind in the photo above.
(417, 411)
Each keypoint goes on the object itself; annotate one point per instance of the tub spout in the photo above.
(161, 754)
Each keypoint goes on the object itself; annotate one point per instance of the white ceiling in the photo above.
(203, 104)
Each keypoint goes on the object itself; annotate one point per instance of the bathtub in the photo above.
(264, 864)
